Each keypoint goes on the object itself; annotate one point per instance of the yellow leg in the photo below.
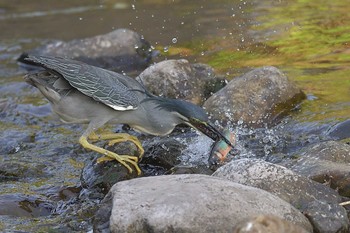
(118, 137)
(122, 159)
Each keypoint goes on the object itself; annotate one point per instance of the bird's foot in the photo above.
(123, 160)
(116, 138)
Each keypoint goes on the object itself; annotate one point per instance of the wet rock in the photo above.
(14, 170)
(267, 224)
(163, 152)
(121, 50)
(200, 169)
(182, 80)
(15, 140)
(101, 218)
(326, 162)
(340, 131)
(182, 152)
(98, 178)
(263, 95)
(191, 203)
(21, 205)
(298, 190)
(59, 193)
(337, 220)
(76, 214)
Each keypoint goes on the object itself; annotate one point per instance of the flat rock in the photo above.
(182, 80)
(261, 96)
(326, 162)
(190, 203)
(310, 197)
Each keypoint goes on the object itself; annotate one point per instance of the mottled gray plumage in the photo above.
(108, 87)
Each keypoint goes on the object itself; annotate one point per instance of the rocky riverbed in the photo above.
(283, 175)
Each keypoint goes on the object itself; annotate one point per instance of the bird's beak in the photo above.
(211, 131)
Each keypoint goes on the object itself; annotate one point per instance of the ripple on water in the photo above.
(21, 205)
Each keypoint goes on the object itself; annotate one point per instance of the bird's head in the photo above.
(192, 115)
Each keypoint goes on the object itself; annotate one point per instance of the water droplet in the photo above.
(80, 18)
(202, 53)
(174, 40)
(133, 6)
(166, 49)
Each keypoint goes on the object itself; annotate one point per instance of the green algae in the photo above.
(309, 36)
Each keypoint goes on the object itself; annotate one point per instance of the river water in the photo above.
(308, 40)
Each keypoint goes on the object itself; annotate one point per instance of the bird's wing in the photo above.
(110, 88)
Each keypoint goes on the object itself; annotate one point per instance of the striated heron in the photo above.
(81, 93)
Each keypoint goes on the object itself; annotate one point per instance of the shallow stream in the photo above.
(309, 40)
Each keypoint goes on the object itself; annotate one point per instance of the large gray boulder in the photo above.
(263, 95)
(121, 50)
(189, 203)
(182, 80)
(317, 201)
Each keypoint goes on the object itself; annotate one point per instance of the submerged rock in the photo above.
(340, 131)
(21, 205)
(310, 197)
(182, 80)
(15, 140)
(190, 203)
(261, 96)
(15, 170)
(121, 50)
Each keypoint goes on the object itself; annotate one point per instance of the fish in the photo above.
(220, 149)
